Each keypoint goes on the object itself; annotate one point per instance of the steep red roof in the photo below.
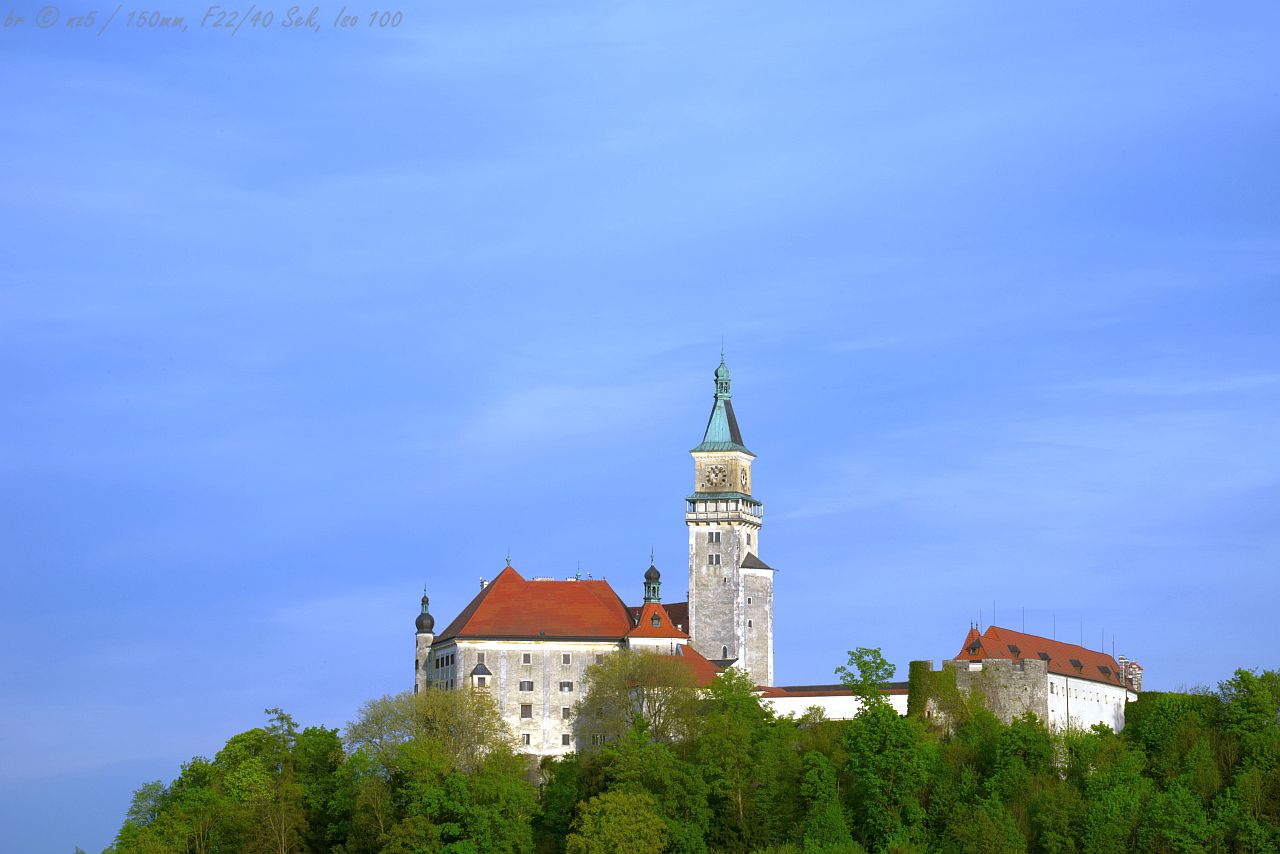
(703, 670)
(646, 629)
(1016, 646)
(511, 607)
(678, 611)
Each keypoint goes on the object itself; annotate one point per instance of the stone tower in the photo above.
(426, 626)
(730, 588)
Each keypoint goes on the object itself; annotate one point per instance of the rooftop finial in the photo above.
(651, 556)
(425, 622)
(508, 556)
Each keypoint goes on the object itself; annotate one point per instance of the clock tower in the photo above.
(730, 587)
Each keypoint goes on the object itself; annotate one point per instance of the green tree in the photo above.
(617, 821)
(561, 790)
(984, 828)
(1174, 821)
(638, 690)
(890, 761)
(732, 725)
(824, 827)
(465, 724)
(677, 787)
(867, 674)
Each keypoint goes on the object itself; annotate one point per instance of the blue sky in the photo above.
(294, 323)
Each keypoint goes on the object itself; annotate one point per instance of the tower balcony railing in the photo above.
(713, 509)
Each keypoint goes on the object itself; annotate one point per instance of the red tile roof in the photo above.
(678, 611)
(1005, 643)
(646, 629)
(511, 607)
(703, 670)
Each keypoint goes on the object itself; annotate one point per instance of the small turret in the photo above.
(425, 622)
(652, 583)
(426, 625)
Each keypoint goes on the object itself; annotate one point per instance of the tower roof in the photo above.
(722, 432)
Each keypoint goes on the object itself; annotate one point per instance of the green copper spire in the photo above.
(722, 427)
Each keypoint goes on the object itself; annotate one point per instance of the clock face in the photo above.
(742, 476)
(716, 476)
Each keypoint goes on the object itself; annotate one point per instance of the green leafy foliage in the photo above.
(438, 773)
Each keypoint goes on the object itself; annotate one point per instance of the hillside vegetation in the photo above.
(437, 773)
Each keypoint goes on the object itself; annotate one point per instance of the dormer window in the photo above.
(655, 621)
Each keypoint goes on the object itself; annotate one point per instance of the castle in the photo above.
(529, 642)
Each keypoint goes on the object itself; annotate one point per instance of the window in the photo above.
(481, 681)
(597, 738)
(527, 739)
(713, 537)
(526, 711)
(655, 621)
(566, 713)
(566, 658)
(566, 739)
(713, 560)
(748, 539)
(526, 658)
(748, 600)
(526, 684)
(566, 687)
(599, 658)
(479, 658)
(724, 652)
(748, 624)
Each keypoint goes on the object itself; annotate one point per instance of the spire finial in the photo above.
(508, 556)
(425, 622)
(651, 555)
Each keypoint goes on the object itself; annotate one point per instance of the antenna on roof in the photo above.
(577, 576)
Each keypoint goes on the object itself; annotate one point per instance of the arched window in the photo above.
(724, 652)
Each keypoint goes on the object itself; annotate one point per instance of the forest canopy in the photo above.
(717, 772)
